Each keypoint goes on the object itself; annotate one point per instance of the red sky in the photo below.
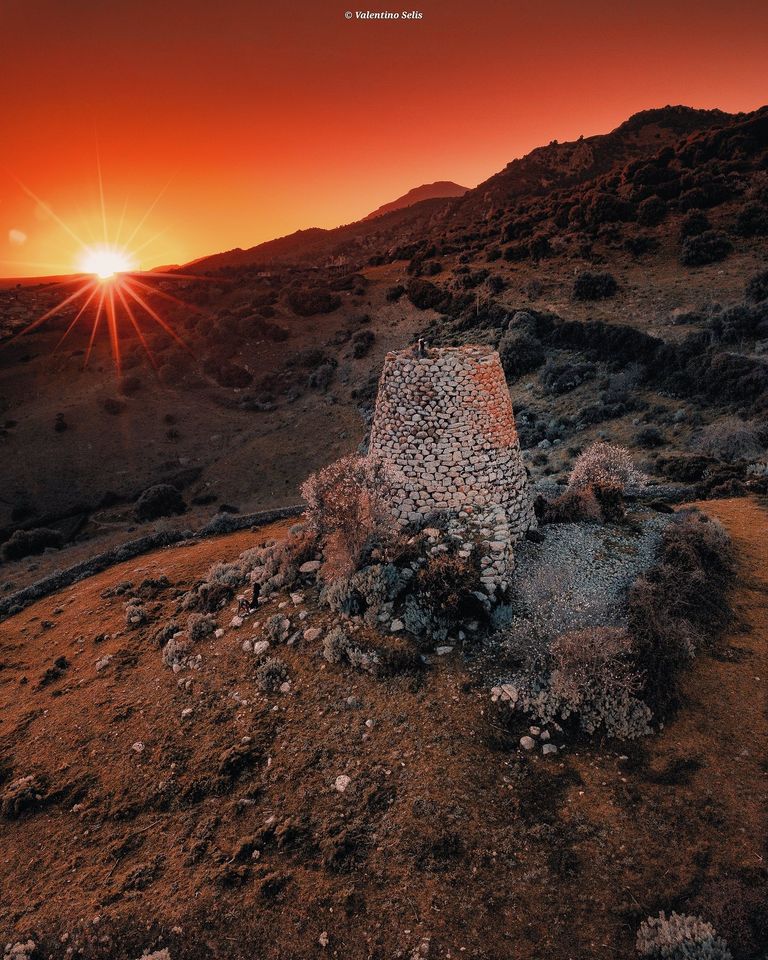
(261, 119)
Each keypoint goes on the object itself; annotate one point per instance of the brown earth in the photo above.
(445, 834)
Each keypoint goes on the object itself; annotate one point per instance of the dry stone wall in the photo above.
(444, 426)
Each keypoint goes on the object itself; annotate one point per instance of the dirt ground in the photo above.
(222, 834)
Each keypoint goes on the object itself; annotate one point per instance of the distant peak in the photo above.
(427, 191)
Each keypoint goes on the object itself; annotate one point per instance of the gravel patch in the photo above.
(579, 576)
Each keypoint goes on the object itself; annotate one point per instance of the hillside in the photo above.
(285, 356)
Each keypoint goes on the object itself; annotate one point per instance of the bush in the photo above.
(520, 354)
(346, 506)
(651, 211)
(680, 604)
(559, 378)
(26, 543)
(680, 937)
(604, 465)
(162, 500)
(594, 286)
(362, 342)
(394, 293)
(757, 287)
(320, 379)
(446, 586)
(340, 647)
(650, 437)
(693, 224)
(271, 674)
(426, 295)
(587, 676)
(752, 221)
(730, 439)
(308, 301)
(200, 626)
(707, 247)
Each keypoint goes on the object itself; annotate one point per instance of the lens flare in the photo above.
(111, 292)
(105, 262)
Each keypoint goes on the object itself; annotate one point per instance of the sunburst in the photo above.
(110, 290)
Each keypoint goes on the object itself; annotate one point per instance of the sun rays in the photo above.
(110, 293)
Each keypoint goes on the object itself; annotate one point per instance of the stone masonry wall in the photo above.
(444, 424)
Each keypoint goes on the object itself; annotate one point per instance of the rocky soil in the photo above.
(146, 808)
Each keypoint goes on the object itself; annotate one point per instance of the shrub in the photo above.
(162, 500)
(651, 211)
(426, 295)
(752, 221)
(200, 626)
(594, 286)
(271, 674)
(588, 676)
(520, 354)
(680, 603)
(604, 465)
(308, 301)
(346, 506)
(693, 224)
(394, 293)
(559, 378)
(25, 543)
(707, 247)
(446, 586)
(320, 379)
(650, 437)
(757, 287)
(340, 647)
(680, 937)
(641, 244)
(362, 342)
(730, 439)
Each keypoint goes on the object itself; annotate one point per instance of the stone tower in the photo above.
(444, 424)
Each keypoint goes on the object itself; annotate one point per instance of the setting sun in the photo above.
(105, 262)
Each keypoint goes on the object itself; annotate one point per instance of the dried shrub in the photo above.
(604, 465)
(680, 604)
(680, 937)
(730, 439)
(447, 584)
(271, 674)
(346, 507)
(200, 626)
(588, 676)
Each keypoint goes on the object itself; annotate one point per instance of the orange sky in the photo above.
(263, 119)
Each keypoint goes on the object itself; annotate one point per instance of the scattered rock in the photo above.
(527, 743)
(548, 748)
(342, 782)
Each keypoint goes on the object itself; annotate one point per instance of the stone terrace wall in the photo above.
(444, 422)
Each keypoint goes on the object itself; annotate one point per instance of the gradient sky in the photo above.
(259, 119)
